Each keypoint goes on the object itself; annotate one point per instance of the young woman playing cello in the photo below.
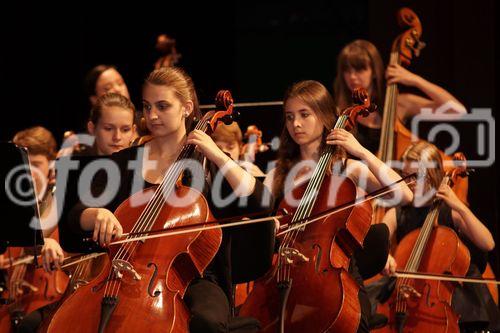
(310, 114)
(170, 105)
(472, 302)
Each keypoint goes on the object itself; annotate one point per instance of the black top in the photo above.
(368, 137)
(238, 244)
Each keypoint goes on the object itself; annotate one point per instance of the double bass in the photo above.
(143, 284)
(425, 305)
(395, 138)
(292, 297)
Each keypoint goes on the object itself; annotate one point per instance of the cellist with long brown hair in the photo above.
(310, 115)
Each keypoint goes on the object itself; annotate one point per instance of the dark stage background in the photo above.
(254, 48)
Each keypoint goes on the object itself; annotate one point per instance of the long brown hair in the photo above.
(183, 86)
(359, 55)
(315, 96)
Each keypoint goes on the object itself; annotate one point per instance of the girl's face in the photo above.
(302, 123)
(422, 188)
(163, 110)
(110, 81)
(39, 164)
(358, 78)
(114, 130)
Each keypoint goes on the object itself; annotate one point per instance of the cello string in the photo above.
(154, 205)
(422, 240)
(312, 189)
(302, 211)
(149, 214)
(417, 252)
(142, 222)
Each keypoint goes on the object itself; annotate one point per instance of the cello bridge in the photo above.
(292, 256)
(121, 266)
(406, 292)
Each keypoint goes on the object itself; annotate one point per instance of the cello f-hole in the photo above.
(152, 293)
(318, 257)
(428, 295)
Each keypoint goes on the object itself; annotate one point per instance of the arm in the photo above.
(373, 172)
(466, 221)
(242, 183)
(103, 222)
(52, 253)
(390, 220)
(268, 181)
(410, 105)
(83, 219)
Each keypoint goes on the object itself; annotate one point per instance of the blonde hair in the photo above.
(429, 159)
(359, 55)
(109, 100)
(181, 83)
(38, 140)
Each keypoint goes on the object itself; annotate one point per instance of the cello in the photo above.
(254, 144)
(425, 305)
(29, 287)
(142, 285)
(394, 136)
(292, 296)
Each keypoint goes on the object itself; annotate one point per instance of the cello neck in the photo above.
(167, 186)
(425, 232)
(310, 195)
(386, 146)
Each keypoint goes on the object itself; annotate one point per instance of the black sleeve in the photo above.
(260, 201)
(71, 233)
(70, 205)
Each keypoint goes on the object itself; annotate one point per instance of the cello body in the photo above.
(323, 296)
(30, 288)
(149, 295)
(429, 307)
(78, 276)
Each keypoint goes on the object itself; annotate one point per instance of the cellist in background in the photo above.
(359, 64)
(167, 47)
(104, 79)
(111, 122)
(99, 81)
(472, 302)
(41, 147)
(230, 140)
(310, 114)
